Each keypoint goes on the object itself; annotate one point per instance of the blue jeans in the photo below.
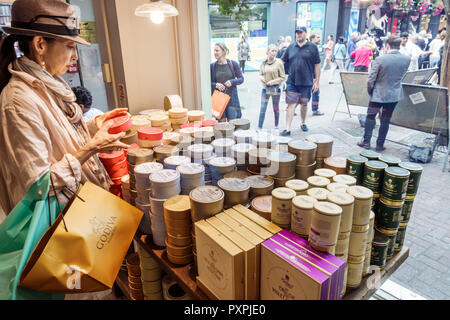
(315, 100)
(275, 103)
(232, 112)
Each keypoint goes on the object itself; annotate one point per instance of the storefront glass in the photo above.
(312, 16)
(226, 30)
(5, 14)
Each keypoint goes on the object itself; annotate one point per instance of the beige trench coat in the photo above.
(35, 135)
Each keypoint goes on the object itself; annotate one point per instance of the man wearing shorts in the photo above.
(304, 74)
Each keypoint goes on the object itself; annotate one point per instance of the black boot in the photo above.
(382, 133)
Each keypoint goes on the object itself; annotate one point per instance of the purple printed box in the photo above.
(285, 276)
(327, 268)
(329, 258)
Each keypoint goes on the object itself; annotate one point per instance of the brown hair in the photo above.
(394, 42)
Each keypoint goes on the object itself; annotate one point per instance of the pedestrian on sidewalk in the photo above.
(352, 47)
(328, 52)
(272, 75)
(362, 56)
(340, 53)
(384, 86)
(226, 75)
(304, 75)
(243, 50)
(316, 39)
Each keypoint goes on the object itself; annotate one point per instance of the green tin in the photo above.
(390, 160)
(415, 172)
(406, 210)
(400, 239)
(395, 184)
(379, 249)
(369, 154)
(373, 175)
(355, 167)
(375, 202)
(390, 235)
(387, 217)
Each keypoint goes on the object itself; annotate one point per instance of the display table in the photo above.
(185, 277)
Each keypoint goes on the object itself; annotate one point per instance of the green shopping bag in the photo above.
(20, 233)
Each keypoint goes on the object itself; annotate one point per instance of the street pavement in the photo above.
(427, 269)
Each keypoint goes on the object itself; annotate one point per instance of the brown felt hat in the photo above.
(47, 18)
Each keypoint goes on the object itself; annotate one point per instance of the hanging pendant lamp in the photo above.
(156, 10)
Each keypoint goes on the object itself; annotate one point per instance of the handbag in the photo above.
(270, 90)
(84, 248)
(219, 102)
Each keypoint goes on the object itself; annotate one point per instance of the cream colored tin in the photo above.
(366, 265)
(355, 270)
(282, 206)
(324, 144)
(325, 221)
(236, 191)
(342, 246)
(337, 187)
(344, 286)
(345, 179)
(304, 172)
(326, 173)
(178, 113)
(346, 202)
(196, 115)
(337, 164)
(260, 185)
(299, 186)
(318, 182)
(262, 205)
(138, 156)
(304, 150)
(302, 207)
(363, 203)
(358, 240)
(371, 227)
(163, 152)
(282, 164)
(206, 201)
(319, 194)
(281, 182)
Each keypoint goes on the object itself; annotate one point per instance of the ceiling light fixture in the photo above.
(156, 10)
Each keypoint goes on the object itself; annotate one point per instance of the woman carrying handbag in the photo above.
(272, 75)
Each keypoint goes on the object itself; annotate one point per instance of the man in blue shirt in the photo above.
(350, 48)
(304, 74)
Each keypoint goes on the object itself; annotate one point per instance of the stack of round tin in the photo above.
(134, 158)
(243, 136)
(355, 167)
(177, 217)
(151, 274)
(387, 217)
(201, 154)
(116, 166)
(224, 130)
(240, 152)
(366, 267)
(325, 222)
(257, 160)
(192, 175)
(373, 179)
(196, 115)
(178, 117)
(305, 152)
(262, 205)
(126, 195)
(165, 184)
(337, 164)
(324, 144)
(163, 152)
(236, 191)
(222, 147)
(282, 167)
(203, 137)
(181, 142)
(359, 233)
(240, 124)
(260, 185)
(415, 172)
(282, 206)
(206, 201)
(161, 121)
(173, 162)
(149, 137)
(220, 166)
(134, 277)
(302, 207)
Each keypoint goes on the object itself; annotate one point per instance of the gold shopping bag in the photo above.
(84, 248)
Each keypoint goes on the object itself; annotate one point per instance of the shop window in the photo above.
(312, 16)
(5, 14)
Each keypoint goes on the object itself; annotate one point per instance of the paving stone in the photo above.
(406, 272)
(426, 290)
(433, 264)
(430, 276)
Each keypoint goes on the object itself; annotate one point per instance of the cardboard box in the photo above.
(285, 276)
(266, 224)
(340, 264)
(252, 261)
(220, 263)
(254, 227)
(330, 270)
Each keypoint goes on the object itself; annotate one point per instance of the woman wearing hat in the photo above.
(41, 125)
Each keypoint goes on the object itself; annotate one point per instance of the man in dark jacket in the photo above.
(384, 86)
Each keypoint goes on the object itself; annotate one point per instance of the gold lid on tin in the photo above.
(327, 208)
(388, 232)
(259, 181)
(233, 184)
(345, 179)
(326, 173)
(166, 150)
(355, 260)
(240, 174)
(319, 182)
(297, 185)
(318, 193)
(178, 204)
(340, 198)
(262, 203)
(360, 192)
(139, 155)
(304, 202)
(337, 187)
(206, 194)
(360, 229)
(283, 193)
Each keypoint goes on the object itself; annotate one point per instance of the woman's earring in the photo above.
(43, 65)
